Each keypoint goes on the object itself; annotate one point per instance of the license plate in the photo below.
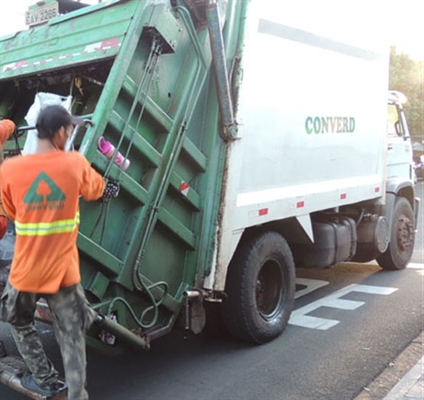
(42, 14)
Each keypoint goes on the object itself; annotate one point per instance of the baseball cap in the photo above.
(52, 118)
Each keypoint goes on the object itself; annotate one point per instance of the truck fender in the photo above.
(400, 188)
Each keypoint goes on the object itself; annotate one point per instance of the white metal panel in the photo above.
(289, 86)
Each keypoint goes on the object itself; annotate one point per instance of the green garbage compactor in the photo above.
(140, 72)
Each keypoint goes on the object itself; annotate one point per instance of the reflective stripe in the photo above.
(48, 228)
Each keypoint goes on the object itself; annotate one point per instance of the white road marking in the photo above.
(299, 317)
(312, 322)
(415, 265)
(311, 285)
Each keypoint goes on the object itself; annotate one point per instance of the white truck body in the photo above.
(313, 119)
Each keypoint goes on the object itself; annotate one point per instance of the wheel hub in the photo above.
(269, 290)
(405, 233)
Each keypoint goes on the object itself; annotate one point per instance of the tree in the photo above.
(407, 76)
(43, 190)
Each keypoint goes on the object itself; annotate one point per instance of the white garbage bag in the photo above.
(41, 100)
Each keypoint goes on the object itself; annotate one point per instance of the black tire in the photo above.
(260, 288)
(402, 237)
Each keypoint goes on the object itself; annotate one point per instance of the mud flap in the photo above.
(11, 370)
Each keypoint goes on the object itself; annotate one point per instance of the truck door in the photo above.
(399, 148)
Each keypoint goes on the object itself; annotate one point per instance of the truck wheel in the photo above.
(402, 236)
(260, 288)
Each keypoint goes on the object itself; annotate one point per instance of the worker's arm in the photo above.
(93, 184)
(8, 206)
(7, 127)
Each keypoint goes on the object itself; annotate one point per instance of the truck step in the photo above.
(12, 369)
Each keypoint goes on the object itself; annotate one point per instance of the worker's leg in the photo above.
(71, 317)
(31, 349)
(18, 309)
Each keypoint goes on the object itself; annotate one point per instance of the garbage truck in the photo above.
(254, 137)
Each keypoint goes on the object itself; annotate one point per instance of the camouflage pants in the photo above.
(71, 315)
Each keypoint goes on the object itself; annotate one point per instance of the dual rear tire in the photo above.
(260, 289)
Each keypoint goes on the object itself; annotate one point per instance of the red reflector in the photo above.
(376, 190)
(184, 186)
(300, 204)
(343, 196)
(264, 211)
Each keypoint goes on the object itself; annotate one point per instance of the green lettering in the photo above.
(339, 124)
(345, 125)
(308, 126)
(329, 124)
(324, 122)
(317, 125)
(333, 124)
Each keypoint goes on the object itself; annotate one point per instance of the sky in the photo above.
(406, 25)
(405, 19)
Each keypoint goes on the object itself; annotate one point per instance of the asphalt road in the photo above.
(363, 317)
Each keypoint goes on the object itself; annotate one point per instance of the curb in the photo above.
(402, 379)
(411, 386)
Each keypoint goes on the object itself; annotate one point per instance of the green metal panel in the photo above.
(89, 34)
(152, 95)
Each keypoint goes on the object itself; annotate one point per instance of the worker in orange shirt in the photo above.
(7, 127)
(40, 193)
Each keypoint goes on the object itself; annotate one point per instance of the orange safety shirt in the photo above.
(40, 193)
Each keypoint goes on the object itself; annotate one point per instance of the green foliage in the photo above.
(407, 76)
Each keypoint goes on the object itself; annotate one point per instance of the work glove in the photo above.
(111, 190)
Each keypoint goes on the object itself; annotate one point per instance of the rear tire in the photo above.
(260, 288)
(402, 237)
